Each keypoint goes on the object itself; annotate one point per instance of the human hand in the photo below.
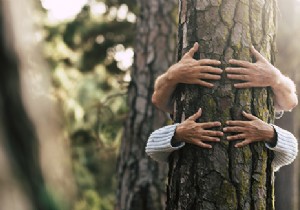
(191, 71)
(250, 131)
(195, 133)
(259, 74)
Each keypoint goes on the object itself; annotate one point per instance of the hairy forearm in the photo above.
(285, 93)
(164, 88)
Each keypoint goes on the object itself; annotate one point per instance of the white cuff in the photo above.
(159, 145)
(286, 148)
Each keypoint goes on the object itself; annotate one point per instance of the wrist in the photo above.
(177, 137)
(270, 137)
(171, 76)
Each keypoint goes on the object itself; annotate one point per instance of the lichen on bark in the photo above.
(223, 177)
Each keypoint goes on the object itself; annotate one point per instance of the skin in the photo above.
(251, 131)
(263, 74)
(190, 71)
(197, 133)
(254, 130)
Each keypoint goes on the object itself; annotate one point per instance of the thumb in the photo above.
(249, 116)
(195, 116)
(256, 54)
(192, 51)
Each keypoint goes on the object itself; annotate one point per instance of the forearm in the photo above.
(164, 88)
(285, 93)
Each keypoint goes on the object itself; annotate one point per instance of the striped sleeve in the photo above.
(159, 145)
(286, 149)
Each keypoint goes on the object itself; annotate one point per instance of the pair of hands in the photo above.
(259, 74)
(250, 131)
(190, 71)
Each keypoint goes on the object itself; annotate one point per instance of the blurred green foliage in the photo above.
(90, 84)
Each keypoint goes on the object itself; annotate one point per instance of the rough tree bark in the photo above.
(224, 177)
(140, 180)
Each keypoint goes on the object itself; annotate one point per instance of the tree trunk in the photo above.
(286, 182)
(21, 179)
(140, 179)
(224, 177)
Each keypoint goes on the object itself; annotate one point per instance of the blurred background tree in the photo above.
(287, 179)
(89, 50)
(141, 180)
(89, 47)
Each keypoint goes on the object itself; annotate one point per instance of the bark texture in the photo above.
(140, 179)
(224, 177)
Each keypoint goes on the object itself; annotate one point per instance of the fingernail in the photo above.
(224, 129)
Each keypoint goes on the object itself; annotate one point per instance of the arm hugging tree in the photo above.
(224, 177)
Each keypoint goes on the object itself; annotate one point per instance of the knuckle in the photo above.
(200, 143)
(244, 77)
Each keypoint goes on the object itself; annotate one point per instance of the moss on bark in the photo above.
(224, 177)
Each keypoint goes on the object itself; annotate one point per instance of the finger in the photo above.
(209, 76)
(192, 51)
(212, 133)
(244, 85)
(210, 124)
(256, 54)
(203, 145)
(208, 69)
(195, 116)
(239, 136)
(208, 62)
(237, 123)
(240, 63)
(203, 83)
(238, 77)
(210, 139)
(236, 70)
(234, 129)
(249, 116)
(242, 144)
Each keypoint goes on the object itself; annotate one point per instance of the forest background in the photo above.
(88, 45)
